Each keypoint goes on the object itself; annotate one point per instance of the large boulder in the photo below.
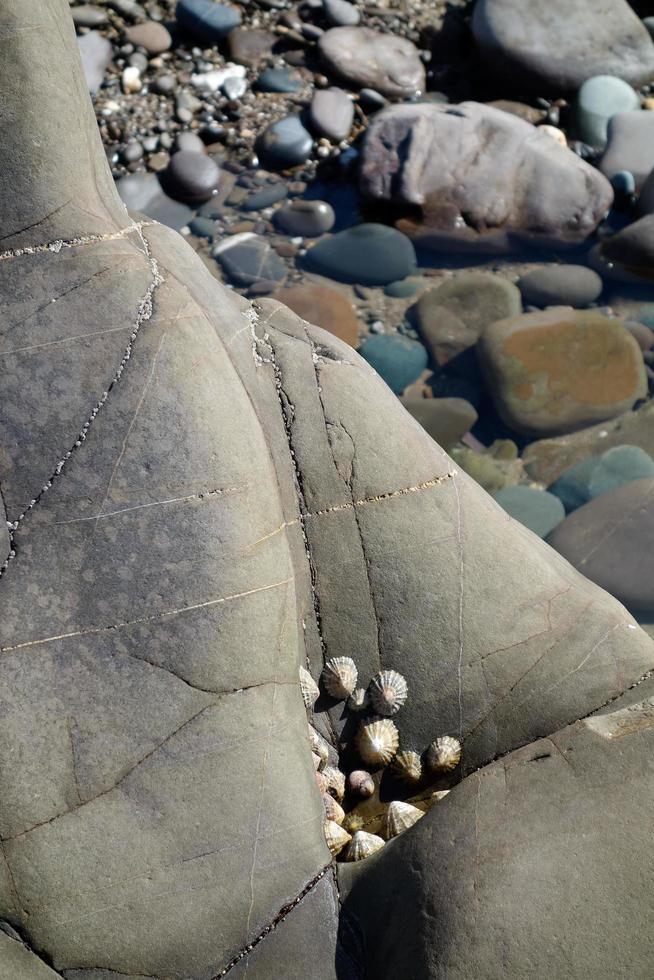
(559, 44)
(482, 178)
(200, 495)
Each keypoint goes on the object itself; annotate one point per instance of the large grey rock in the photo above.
(561, 43)
(483, 178)
(366, 58)
(630, 146)
(204, 494)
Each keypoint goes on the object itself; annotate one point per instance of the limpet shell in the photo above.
(333, 810)
(335, 780)
(388, 692)
(319, 745)
(339, 677)
(361, 783)
(399, 817)
(309, 688)
(377, 741)
(444, 754)
(362, 846)
(336, 837)
(407, 766)
(359, 700)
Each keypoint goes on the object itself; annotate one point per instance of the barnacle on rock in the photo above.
(333, 810)
(309, 688)
(339, 676)
(388, 692)
(407, 766)
(444, 754)
(399, 817)
(360, 783)
(377, 741)
(336, 837)
(362, 846)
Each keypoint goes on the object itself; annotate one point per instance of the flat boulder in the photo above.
(559, 44)
(611, 541)
(559, 370)
(483, 179)
(365, 58)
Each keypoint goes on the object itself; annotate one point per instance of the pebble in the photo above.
(234, 88)
(325, 307)
(131, 80)
(151, 36)
(192, 176)
(279, 80)
(559, 44)
(264, 198)
(164, 84)
(633, 247)
(331, 114)
(371, 100)
(305, 219)
(89, 16)
(620, 560)
(445, 419)
(559, 370)
(340, 13)
(630, 146)
(285, 143)
(561, 285)
(369, 59)
(248, 258)
(250, 47)
(207, 20)
(451, 317)
(143, 193)
(597, 101)
(600, 474)
(402, 288)
(213, 81)
(370, 254)
(96, 53)
(190, 142)
(203, 227)
(398, 360)
(537, 510)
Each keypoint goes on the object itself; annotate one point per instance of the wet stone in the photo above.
(206, 20)
(398, 360)
(561, 285)
(370, 254)
(191, 176)
(285, 143)
(279, 80)
(538, 510)
(248, 258)
(331, 114)
(305, 219)
(268, 195)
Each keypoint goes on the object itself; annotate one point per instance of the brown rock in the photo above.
(250, 47)
(526, 112)
(324, 307)
(152, 36)
(560, 370)
(445, 419)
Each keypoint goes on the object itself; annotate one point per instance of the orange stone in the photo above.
(324, 307)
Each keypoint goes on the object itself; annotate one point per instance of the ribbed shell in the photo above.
(333, 810)
(377, 741)
(426, 802)
(359, 700)
(309, 688)
(335, 782)
(336, 837)
(388, 692)
(321, 782)
(361, 783)
(407, 766)
(444, 754)
(339, 676)
(400, 817)
(319, 745)
(362, 846)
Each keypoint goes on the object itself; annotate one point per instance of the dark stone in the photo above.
(279, 80)
(633, 247)
(285, 143)
(398, 360)
(600, 474)
(203, 227)
(268, 195)
(143, 192)
(331, 113)
(191, 176)
(560, 285)
(370, 254)
(207, 20)
(250, 47)
(305, 218)
(445, 419)
(538, 510)
(401, 288)
(340, 13)
(247, 258)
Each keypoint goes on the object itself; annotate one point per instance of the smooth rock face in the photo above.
(445, 419)
(398, 360)
(324, 307)
(561, 370)
(307, 219)
(600, 474)
(611, 541)
(331, 113)
(285, 143)
(561, 285)
(368, 59)
(249, 258)
(483, 178)
(538, 510)
(192, 176)
(524, 39)
(369, 254)
(206, 19)
(96, 52)
(598, 100)
(451, 317)
(630, 146)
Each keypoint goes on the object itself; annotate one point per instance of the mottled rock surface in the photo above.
(366, 58)
(481, 177)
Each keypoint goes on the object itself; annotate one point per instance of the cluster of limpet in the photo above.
(361, 832)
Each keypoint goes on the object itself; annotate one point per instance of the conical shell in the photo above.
(309, 688)
(339, 676)
(400, 817)
(407, 766)
(444, 754)
(319, 745)
(388, 692)
(336, 837)
(335, 782)
(333, 810)
(377, 741)
(362, 846)
(359, 700)
(361, 783)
